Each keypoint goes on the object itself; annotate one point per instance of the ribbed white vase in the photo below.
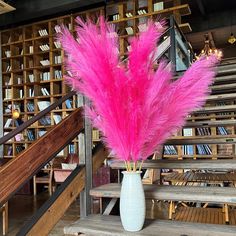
(132, 201)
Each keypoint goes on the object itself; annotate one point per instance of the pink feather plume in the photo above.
(135, 107)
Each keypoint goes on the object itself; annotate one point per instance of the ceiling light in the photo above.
(231, 39)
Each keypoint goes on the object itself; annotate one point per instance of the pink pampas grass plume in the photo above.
(135, 107)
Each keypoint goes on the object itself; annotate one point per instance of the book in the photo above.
(188, 149)
(45, 92)
(41, 132)
(18, 122)
(129, 30)
(57, 118)
(30, 106)
(43, 105)
(8, 94)
(19, 137)
(68, 104)
(10, 151)
(8, 123)
(158, 6)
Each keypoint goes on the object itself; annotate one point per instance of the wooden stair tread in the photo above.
(183, 164)
(173, 193)
(198, 215)
(111, 225)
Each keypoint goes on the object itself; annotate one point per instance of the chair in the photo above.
(4, 210)
(46, 179)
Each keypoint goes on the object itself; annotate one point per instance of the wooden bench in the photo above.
(222, 195)
(4, 210)
(111, 225)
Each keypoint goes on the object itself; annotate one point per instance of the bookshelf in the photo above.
(32, 79)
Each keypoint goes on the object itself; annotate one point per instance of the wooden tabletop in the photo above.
(191, 176)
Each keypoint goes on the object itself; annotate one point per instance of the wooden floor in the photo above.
(21, 208)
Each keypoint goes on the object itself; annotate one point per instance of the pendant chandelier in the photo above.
(208, 51)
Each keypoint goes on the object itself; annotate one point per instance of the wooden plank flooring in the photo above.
(204, 215)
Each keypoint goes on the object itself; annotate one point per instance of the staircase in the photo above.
(223, 90)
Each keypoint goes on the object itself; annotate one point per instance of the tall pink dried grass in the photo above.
(135, 107)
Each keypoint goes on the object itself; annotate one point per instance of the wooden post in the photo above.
(5, 218)
(86, 158)
(1, 99)
(172, 42)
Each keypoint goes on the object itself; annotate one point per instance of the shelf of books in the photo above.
(32, 74)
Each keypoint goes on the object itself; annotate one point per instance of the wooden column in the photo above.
(86, 158)
(172, 50)
(1, 99)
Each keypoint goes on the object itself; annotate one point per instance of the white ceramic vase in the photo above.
(132, 201)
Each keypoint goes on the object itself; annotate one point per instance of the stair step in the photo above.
(111, 225)
(173, 193)
(183, 164)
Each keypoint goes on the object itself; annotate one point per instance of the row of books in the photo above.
(43, 32)
(170, 150)
(57, 44)
(46, 120)
(8, 53)
(31, 49)
(57, 59)
(31, 78)
(222, 131)
(45, 62)
(57, 28)
(8, 94)
(71, 148)
(31, 92)
(204, 131)
(45, 92)
(187, 150)
(30, 106)
(44, 47)
(204, 149)
(21, 93)
(30, 135)
(44, 76)
(8, 68)
(19, 148)
(19, 80)
(57, 74)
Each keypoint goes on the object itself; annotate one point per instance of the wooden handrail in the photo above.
(20, 169)
(53, 209)
(35, 118)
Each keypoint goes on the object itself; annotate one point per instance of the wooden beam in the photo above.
(20, 169)
(210, 123)
(218, 139)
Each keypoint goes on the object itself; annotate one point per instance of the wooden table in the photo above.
(201, 177)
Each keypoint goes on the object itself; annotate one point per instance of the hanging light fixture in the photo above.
(231, 39)
(208, 51)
